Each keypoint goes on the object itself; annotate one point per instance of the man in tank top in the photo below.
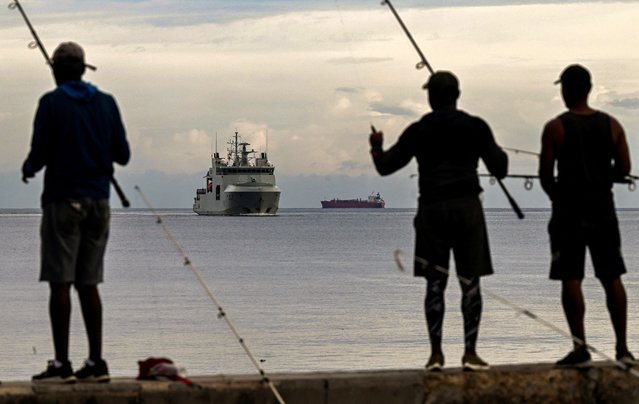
(447, 144)
(589, 149)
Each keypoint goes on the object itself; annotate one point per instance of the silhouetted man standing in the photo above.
(589, 149)
(77, 134)
(448, 144)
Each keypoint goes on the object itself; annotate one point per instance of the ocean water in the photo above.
(308, 290)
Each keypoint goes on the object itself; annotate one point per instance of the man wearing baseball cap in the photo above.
(447, 144)
(589, 150)
(77, 135)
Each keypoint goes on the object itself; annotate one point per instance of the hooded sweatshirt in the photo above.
(77, 134)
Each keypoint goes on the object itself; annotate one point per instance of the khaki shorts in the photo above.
(74, 235)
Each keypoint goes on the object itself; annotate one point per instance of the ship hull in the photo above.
(240, 200)
(351, 204)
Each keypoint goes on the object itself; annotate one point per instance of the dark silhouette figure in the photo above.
(448, 144)
(77, 135)
(589, 150)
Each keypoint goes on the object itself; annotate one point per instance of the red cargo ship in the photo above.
(373, 201)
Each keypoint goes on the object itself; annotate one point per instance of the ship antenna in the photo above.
(237, 151)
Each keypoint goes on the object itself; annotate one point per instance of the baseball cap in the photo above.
(441, 80)
(69, 52)
(575, 76)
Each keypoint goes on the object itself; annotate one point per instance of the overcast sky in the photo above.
(305, 79)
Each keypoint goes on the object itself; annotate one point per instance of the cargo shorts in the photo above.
(74, 234)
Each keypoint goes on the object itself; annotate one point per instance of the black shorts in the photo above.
(458, 225)
(573, 230)
(74, 235)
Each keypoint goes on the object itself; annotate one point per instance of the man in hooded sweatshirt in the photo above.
(447, 144)
(77, 134)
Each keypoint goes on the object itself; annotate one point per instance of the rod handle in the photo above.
(511, 200)
(125, 202)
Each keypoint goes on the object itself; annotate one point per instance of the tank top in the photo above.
(584, 161)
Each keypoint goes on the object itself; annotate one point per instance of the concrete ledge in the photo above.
(538, 383)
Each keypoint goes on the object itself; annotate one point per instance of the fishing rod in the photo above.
(123, 199)
(517, 151)
(398, 254)
(37, 43)
(424, 63)
(629, 179)
(221, 312)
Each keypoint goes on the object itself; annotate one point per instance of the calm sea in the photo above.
(308, 290)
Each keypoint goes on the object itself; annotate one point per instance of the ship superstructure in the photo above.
(241, 184)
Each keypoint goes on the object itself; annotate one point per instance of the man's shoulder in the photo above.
(104, 94)
(462, 114)
(51, 93)
(454, 117)
(445, 114)
(104, 98)
(476, 121)
(554, 128)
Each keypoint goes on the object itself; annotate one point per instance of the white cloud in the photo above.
(315, 80)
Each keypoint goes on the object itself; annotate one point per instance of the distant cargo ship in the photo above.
(373, 201)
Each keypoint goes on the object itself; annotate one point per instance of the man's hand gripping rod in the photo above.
(424, 63)
(38, 44)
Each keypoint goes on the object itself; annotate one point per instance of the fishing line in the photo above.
(398, 255)
(424, 63)
(517, 151)
(38, 44)
(361, 90)
(221, 312)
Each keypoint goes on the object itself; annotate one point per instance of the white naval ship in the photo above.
(239, 185)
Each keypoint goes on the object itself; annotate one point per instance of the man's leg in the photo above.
(59, 370)
(471, 306)
(617, 307)
(434, 308)
(92, 315)
(60, 315)
(572, 300)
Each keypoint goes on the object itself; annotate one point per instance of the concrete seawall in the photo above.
(538, 383)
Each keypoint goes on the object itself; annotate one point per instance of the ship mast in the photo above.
(236, 157)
